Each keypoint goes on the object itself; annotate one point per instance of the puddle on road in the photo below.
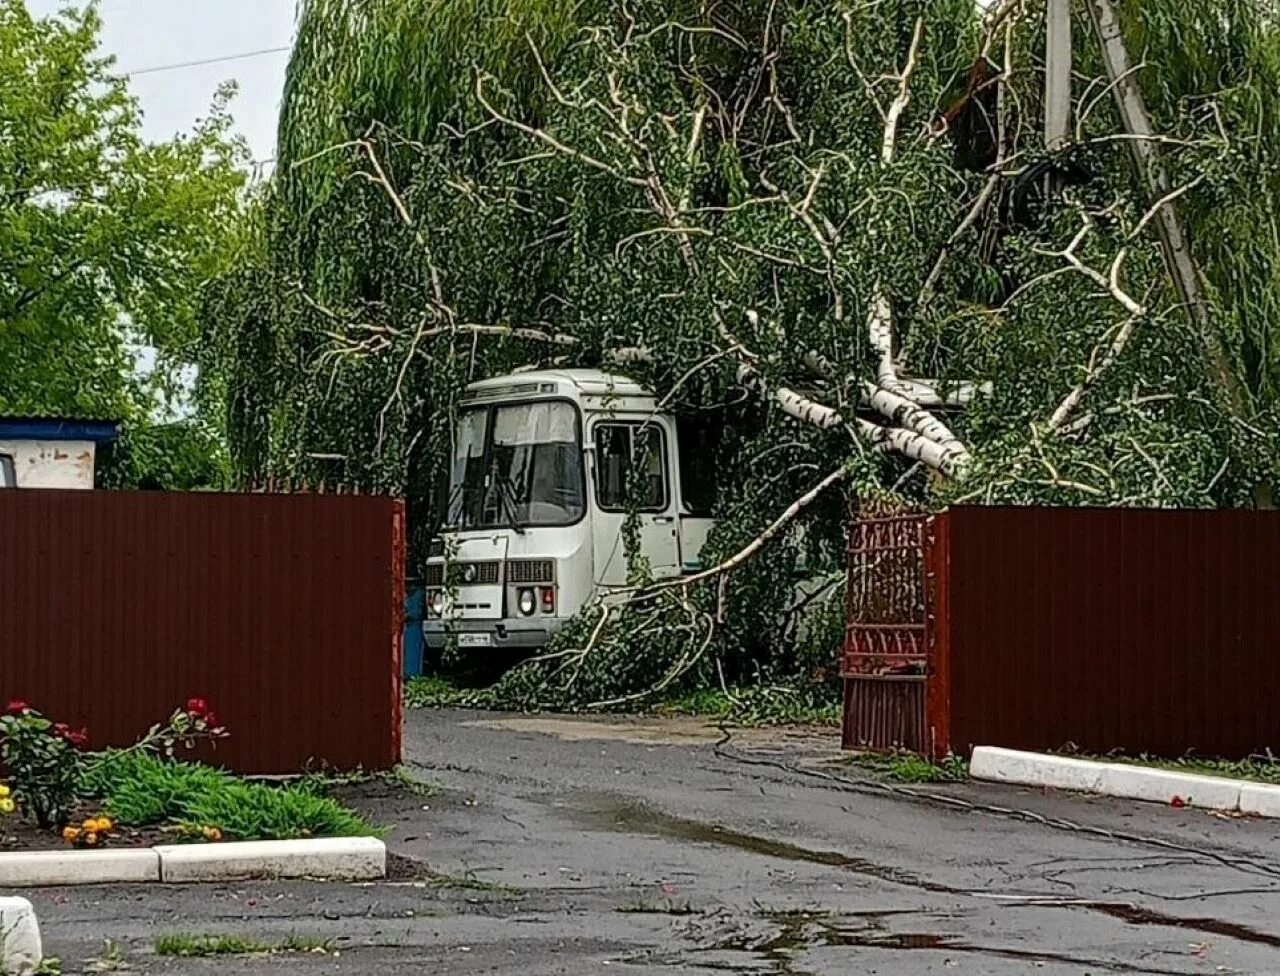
(801, 931)
(1136, 915)
(605, 811)
(613, 813)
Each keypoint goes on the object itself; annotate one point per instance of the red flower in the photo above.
(1177, 802)
(77, 740)
(197, 707)
(17, 706)
(211, 720)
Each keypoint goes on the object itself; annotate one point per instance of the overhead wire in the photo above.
(199, 62)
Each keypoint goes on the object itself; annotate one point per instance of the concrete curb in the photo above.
(47, 869)
(332, 858)
(1124, 781)
(327, 858)
(21, 951)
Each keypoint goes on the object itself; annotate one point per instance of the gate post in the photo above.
(937, 685)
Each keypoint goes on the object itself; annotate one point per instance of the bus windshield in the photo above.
(516, 465)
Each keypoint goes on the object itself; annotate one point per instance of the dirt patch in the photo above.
(678, 730)
(384, 803)
(401, 868)
(22, 836)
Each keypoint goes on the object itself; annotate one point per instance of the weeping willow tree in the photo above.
(837, 227)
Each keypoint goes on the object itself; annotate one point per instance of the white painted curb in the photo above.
(1260, 799)
(39, 869)
(1124, 780)
(20, 950)
(1034, 769)
(332, 858)
(325, 858)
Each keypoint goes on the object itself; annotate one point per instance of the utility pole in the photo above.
(1173, 240)
(1057, 80)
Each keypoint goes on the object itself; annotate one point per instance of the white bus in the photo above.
(541, 466)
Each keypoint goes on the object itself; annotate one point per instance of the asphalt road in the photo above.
(566, 846)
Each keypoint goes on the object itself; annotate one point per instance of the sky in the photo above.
(149, 34)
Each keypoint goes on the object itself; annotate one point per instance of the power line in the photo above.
(203, 61)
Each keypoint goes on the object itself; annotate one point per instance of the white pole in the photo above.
(1057, 81)
(1173, 240)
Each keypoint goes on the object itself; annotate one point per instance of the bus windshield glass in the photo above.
(517, 466)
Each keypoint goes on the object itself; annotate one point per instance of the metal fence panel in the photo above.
(284, 611)
(1145, 631)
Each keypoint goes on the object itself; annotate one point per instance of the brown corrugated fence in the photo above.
(284, 611)
(1135, 630)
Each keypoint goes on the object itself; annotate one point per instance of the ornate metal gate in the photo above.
(887, 633)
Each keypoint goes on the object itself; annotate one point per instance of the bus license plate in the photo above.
(474, 640)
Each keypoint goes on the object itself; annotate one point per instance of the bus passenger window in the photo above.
(699, 449)
(619, 448)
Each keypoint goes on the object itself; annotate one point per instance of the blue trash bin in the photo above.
(414, 605)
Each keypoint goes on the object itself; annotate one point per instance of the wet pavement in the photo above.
(639, 846)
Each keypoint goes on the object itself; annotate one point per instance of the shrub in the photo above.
(45, 762)
(51, 770)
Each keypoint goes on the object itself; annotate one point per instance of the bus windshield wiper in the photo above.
(458, 495)
(507, 496)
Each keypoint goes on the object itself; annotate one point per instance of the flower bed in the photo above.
(61, 793)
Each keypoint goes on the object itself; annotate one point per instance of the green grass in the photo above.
(139, 790)
(434, 691)
(111, 960)
(185, 945)
(252, 811)
(642, 906)
(907, 767)
(760, 705)
(323, 783)
(470, 881)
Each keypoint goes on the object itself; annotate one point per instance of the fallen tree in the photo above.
(786, 215)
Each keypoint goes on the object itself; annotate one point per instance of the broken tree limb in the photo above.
(792, 403)
(971, 218)
(630, 354)
(749, 551)
(949, 458)
(906, 413)
(880, 334)
(1097, 366)
(922, 392)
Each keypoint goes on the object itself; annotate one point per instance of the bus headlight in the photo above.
(435, 603)
(528, 603)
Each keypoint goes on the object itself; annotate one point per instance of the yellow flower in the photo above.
(6, 805)
(4, 791)
(71, 834)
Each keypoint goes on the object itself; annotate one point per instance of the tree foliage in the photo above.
(105, 240)
(734, 188)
